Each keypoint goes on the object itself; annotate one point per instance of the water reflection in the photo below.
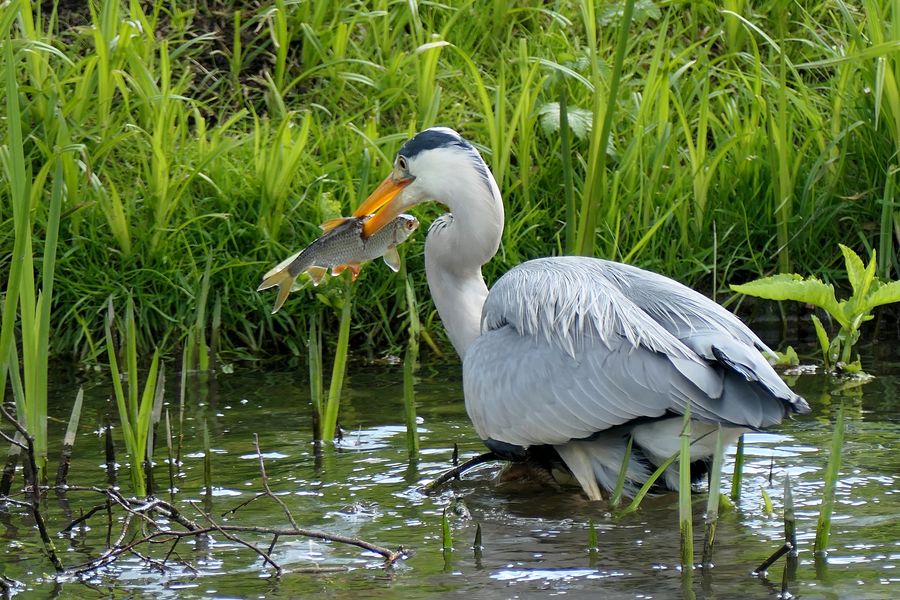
(534, 541)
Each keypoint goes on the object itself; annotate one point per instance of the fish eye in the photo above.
(402, 164)
(410, 225)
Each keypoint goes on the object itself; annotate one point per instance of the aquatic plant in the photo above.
(685, 516)
(135, 408)
(823, 525)
(27, 307)
(409, 366)
(711, 518)
(314, 360)
(339, 366)
(869, 292)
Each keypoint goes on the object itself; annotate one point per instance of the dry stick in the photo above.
(233, 510)
(6, 585)
(265, 482)
(35, 491)
(86, 516)
(160, 566)
(386, 553)
(457, 471)
(141, 508)
(264, 555)
(9, 469)
(110, 455)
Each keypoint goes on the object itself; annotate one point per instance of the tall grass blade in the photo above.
(565, 153)
(409, 367)
(684, 494)
(790, 520)
(645, 489)
(446, 534)
(207, 461)
(623, 471)
(823, 525)
(314, 353)
(338, 370)
(890, 209)
(596, 176)
(65, 457)
(409, 403)
(477, 545)
(170, 455)
(712, 501)
(135, 414)
(738, 475)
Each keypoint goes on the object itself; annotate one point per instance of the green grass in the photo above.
(178, 131)
(136, 409)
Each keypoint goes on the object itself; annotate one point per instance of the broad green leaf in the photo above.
(794, 287)
(859, 274)
(885, 294)
(855, 267)
(580, 120)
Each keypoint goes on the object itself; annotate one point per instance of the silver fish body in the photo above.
(340, 247)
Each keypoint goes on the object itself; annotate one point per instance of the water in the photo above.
(535, 540)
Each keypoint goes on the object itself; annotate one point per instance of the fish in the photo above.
(340, 248)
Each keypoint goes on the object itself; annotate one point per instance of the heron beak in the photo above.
(381, 201)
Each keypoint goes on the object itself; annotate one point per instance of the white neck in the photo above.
(458, 244)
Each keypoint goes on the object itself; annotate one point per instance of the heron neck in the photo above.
(457, 246)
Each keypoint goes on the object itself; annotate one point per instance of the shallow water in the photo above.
(535, 540)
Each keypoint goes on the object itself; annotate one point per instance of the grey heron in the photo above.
(569, 357)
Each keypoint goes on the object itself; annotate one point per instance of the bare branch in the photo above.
(263, 554)
(265, 482)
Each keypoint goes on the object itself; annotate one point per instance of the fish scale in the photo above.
(341, 247)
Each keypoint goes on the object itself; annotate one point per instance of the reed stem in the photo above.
(738, 475)
(338, 370)
(712, 502)
(684, 494)
(823, 526)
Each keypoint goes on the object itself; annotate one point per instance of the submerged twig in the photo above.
(455, 472)
(762, 568)
(265, 482)
(32, 483)
(149, 511)
(262, 553)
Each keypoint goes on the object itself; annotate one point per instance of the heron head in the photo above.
(437, 164)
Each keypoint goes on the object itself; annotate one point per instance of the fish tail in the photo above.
(284, 280)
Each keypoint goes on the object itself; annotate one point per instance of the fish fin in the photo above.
(333, 223)
(354, 270)
(316, 274)
(353, 267)
(284, 281)
(392, 258)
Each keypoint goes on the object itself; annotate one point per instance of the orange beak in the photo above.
(380, 201)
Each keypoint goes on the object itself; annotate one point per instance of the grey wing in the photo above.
(564, 353)
(707, 328)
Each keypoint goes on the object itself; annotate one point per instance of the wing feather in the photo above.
(573, 346)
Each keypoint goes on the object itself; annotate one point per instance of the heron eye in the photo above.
(402, 164)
